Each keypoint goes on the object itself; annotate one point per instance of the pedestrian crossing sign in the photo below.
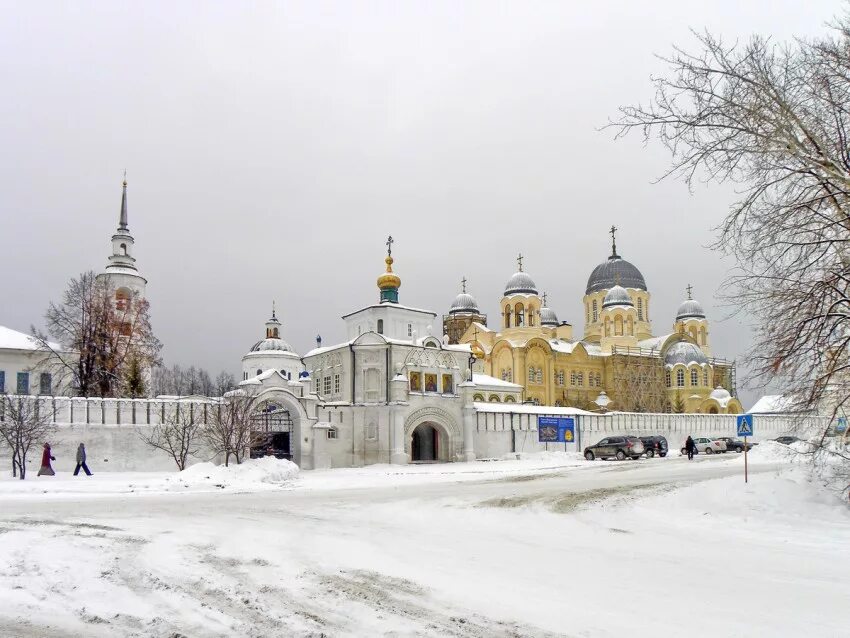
(745, 425)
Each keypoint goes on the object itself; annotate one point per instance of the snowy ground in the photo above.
(550, 546)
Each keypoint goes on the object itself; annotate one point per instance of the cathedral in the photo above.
(617, 364)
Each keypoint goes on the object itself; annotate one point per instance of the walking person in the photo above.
(689, 448)
(81, 461)
(46, 457)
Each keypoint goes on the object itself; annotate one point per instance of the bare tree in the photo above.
(24, 421)
(99, 335)
(774, 120)
(223, 384)
(228, 431)
(178, 435)
(178, 381)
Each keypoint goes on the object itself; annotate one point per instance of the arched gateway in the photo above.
(432, 435)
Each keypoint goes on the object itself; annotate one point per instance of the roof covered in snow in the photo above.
(524, 408)
(772, 404)
(14, 340)
(485, 380)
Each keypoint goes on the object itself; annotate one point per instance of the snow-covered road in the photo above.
(554, 547)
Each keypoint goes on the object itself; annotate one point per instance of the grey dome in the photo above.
(520, 282)
(548, 317)
(464, 302)
(690, 309)
(617, 296)
(684, 352)
(612, 272)
(271, 345)
(720, 394)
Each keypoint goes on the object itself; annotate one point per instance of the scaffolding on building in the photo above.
(639, 380)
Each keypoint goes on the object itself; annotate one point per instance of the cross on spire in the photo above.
(390, 242)
(463, 284)
(273, 310)
(544, 299)
(519, 261)
(690, 290)
(613, 233)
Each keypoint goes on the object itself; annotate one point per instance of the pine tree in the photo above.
(679, 404)
(135, 381)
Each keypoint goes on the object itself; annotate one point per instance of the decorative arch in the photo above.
(296, 410)
(494, 398)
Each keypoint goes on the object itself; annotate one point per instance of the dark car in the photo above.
(618, 447)
(786, 440)
(735, 445)
(654, 446)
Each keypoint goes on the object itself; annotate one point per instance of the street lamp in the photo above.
(476, 353)
(602, 400)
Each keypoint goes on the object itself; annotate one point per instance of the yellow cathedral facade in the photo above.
(617, 364)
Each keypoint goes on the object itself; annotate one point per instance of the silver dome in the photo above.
(617, 296)
(520, 282)
(271, 345)
(690, 309)
(684, 352)
(548, 317)
(464, 302)
(612, 272)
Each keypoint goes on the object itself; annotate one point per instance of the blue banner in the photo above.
(555, 429)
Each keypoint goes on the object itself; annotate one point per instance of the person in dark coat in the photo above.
(81, 461)
(690, 446)
(46, 457)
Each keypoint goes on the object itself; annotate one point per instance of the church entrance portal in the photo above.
(425, 444)
(271, 432)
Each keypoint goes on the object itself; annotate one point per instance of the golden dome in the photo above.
(389, 279)
(477, 350)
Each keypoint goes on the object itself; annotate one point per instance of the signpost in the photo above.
(555, 429)
(841, 425)
(745, 429)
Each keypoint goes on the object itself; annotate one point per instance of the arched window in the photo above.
(580, 379)
(510, 399)
(259, 371)
(276, 333)
(124, 248)
(705, 377)
(618, 326)
(694, 377)
(519, 312)
(680, 377)
(539, 375)
(595, 312)
(530, 374)
(640, 308)
(478, 397)
(122, 299)
(380, 326)
(667, 378)
(507, 316)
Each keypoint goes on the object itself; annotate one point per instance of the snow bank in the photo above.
(269, 470)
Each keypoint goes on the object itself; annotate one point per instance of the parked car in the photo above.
(618, 447)
(786, 440)
(735, 445)
(654, 445)
(705, 445)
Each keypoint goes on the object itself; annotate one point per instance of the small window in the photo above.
(2, 381)
(667, 379)
(705, 376)
(694, 377)
(580, 379)
(23, 383)
(332, 433)
(327, 385)
(380, 326)
(531, 375)
(336, 384)
(259, 371)
(410, 330)
(539, 375)
(45, 383)
(640, 309)
(680, 377)
(595, 312)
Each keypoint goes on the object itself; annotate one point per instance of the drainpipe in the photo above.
(513, 435)
(353, 372)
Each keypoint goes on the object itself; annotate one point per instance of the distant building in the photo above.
(21, 366)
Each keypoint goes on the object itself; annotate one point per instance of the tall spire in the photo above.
(122, 220)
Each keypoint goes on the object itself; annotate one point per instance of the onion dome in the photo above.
(617, 296)
(520, 282)
(720, 394)
(684, 352)
(690, 308)
(548, 317)
(389, 282)
(615, 270)
(464, 303)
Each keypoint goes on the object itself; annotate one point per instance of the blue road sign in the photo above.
(745, 425)
(841, 425)
(553, 429)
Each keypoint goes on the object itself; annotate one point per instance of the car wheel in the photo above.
(650, 454)
(663, 454)
(589, 455)
(708, 450)
(621, 456)
(739, 450)
(684, 452)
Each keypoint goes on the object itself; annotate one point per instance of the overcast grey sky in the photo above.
(271, 147)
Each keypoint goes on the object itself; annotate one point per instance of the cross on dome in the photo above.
(690, 290)
(390, 242)
(519, 261)
(463, 285)
(613, 233)
(544, 298)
